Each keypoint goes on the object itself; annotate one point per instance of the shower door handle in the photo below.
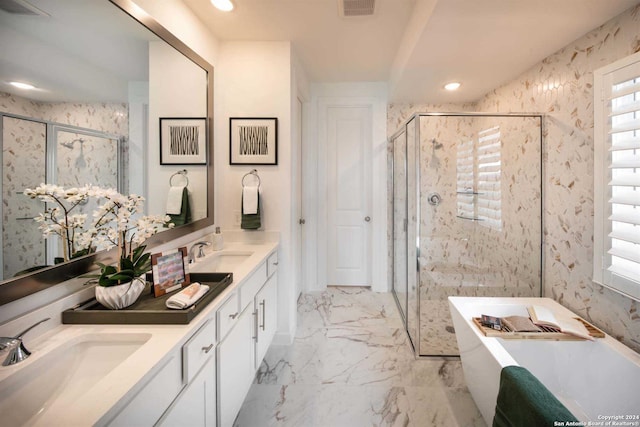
(367, 218)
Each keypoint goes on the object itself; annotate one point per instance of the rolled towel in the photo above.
(187, 297)
(250, 200)
(174, 200)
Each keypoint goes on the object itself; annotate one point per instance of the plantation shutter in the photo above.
(489, 178)
(465, 180)
(619, 164)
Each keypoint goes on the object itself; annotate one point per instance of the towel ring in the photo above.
(182, 173)
(254, 173)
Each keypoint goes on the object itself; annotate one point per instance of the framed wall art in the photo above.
(183, 141)
(253, 141)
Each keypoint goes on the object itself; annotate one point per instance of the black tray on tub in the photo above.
(148, 309)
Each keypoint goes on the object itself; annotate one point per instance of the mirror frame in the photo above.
(20, 287)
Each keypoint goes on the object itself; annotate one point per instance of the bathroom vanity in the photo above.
(123, 375)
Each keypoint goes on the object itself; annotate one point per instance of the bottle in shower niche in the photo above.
(217, 241)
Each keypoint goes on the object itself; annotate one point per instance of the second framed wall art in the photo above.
(253, 141)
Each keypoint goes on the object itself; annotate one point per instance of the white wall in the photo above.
(363, 94)
(256, 82)
(176, 17)
(177, 88)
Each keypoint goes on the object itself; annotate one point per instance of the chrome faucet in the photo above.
(13, 349)
(200, 247)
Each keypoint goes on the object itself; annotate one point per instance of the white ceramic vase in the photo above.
(120, 296)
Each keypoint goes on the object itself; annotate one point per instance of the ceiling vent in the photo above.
(357, 7)
(21, 7)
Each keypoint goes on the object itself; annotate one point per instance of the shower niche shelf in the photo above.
(469, 218)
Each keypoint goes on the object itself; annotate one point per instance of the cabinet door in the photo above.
(266, 303)
(196, 405)
(235, 367)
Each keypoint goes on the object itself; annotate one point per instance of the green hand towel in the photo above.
(523, 401)
(184, 217)
(250, 221)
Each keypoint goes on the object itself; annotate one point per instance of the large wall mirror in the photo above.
(105, 76)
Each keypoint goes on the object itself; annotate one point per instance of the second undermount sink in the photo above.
(53, 382)
(221, 261)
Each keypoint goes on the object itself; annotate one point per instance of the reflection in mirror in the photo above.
(102, 82)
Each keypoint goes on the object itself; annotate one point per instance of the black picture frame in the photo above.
(183, 140)
(253, 141)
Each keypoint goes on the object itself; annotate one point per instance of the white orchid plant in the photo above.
(115, 222)
(59, 218)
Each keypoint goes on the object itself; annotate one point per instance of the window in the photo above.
(489, 178)
(465, 179)
(479, 179)
(617, 176)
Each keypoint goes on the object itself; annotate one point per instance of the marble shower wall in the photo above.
(561, 87)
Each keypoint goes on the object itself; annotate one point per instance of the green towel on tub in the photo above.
(523, 401)
(250, 221)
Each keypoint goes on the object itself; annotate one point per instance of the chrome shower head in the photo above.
(435, 144)
(72, 143)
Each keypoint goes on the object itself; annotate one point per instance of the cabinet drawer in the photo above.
(151, 401)
(272, 264)
(197, 350)
(227, 315)
(252, 285)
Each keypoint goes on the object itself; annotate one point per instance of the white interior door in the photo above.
(348, 194)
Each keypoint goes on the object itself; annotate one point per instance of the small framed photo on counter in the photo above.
(170, 271)
(253, 141)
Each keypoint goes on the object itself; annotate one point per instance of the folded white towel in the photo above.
(250, 200)
(174, 200)
(187, 297)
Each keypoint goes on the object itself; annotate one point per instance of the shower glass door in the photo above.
(399, 153)
(481, 235)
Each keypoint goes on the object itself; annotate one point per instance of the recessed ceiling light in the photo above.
(452, 86)
(223, 5)
(21, 85)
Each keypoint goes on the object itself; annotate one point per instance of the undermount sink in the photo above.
(57, 379)
(222, 261)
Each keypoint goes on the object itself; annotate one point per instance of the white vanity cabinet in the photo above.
(195, 406)
(182, 391)
(242, 350)
(265, 303)
(235, 368)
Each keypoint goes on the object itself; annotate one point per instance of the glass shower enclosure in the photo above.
(466, 216)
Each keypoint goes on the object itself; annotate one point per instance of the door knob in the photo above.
(302, 221)
(367, 218)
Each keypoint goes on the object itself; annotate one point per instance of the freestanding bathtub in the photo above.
(597, 381)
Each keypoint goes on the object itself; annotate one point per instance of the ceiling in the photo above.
(80, 51)
(415, 45)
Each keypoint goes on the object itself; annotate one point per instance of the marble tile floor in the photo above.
(437, 336)
(351, 365)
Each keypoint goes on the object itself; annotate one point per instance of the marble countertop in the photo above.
(111, 393)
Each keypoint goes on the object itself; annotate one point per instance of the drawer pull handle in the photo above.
(275, 263)
(255, 323)
(264, 308)
(208, 348)
(233, 316)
